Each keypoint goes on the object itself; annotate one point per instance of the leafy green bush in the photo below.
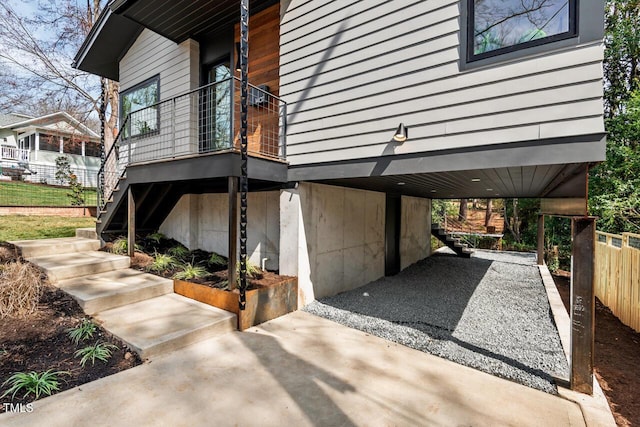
(100, 351)
(33, 383)
(82, 332)
(77, 197)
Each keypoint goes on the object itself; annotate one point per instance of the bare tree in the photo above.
(512, 223)
(462, 213)
(488, 212)
(36, 53)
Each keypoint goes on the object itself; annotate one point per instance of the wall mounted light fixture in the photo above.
(401, 134)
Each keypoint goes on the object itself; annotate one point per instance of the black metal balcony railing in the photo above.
(202, 121)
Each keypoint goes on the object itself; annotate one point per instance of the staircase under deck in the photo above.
(157, 186)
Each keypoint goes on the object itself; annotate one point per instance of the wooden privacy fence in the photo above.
(617, 277)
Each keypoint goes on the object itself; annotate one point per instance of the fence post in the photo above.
(582, 303)
(540, 239)
(131, 224)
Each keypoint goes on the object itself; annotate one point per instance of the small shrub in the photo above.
(162, 262)
(63, 169)
(156, 237)
(120, 246)
(178, 251)
(554, 264)
(100, 351)
(189, 271)
(77, 196)
(33, 383)
(217, 260)
(253, 271)
(82, 332)
(20, 289)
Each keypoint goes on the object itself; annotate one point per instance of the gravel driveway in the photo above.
(489, 312)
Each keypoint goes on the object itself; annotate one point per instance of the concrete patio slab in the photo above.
(166, 323)
(305, 371)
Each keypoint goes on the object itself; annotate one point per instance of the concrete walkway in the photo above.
(305, 371)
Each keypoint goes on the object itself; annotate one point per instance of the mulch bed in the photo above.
(218, 274)
(39, 342)
(617, 358)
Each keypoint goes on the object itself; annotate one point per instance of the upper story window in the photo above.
(141, 102)
(496, 27)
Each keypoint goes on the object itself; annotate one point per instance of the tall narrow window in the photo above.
(139, 103)
(216, 109)
(501, 26)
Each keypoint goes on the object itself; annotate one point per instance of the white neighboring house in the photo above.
(29, 147)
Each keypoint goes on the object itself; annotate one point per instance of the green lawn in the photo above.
(22, 227)
(14, 193)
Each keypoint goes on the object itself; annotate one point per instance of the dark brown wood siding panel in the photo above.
(264, 60)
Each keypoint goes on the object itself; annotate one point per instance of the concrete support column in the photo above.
(131, 223)
(294, 257)
(582, 303)
(233, 231)
(540, 239)
(194, 221)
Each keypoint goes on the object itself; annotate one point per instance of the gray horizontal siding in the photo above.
(352, 70)
(152, 54)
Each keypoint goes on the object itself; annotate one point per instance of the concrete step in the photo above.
(64, 245)
(104, 291)
(66, 266)
(166, 323)
(87, 233)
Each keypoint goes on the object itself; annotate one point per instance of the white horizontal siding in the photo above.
(152, 54)
(351, 71)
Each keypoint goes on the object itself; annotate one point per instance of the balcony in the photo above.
(203, 122)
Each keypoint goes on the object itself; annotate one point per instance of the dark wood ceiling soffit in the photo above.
(179, 20)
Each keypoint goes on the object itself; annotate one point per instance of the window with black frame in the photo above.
(216, 108)
(141, 102)
(496, 27)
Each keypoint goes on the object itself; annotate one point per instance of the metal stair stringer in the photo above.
(113, 208)
(454, 243)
